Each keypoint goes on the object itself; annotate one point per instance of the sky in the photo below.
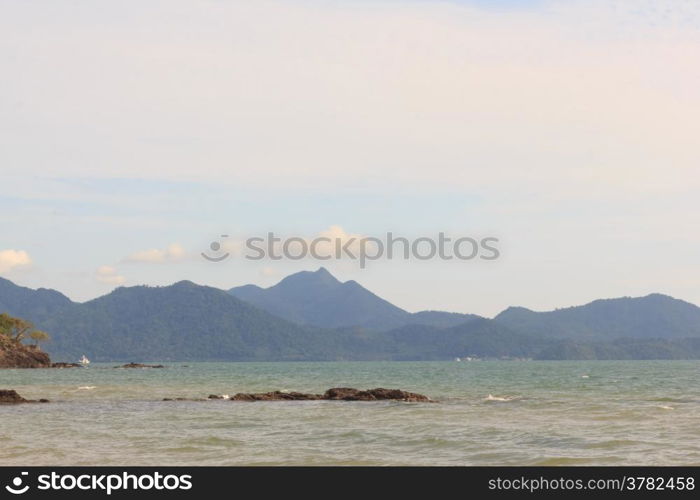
(135, 133)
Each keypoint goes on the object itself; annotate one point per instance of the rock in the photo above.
(342, 393)
(399, 395)
(275, 396)
(66, 365)
(9, 396)
(139, 365)
(17, 355)
(336, 394)
(379, 394)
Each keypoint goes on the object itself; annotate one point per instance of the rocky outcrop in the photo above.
(334, 394)
(379, 394)
(9, 396)
(17, 355)
(275, 396)
(139, 365)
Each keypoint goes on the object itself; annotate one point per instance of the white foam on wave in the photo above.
(225, 396)
(585, 376)
(86, 387)
(491, 397)
(666, 407)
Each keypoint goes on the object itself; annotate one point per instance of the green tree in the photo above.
(17, 329)
(39, 336)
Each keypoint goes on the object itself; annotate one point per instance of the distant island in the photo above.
(312, 316)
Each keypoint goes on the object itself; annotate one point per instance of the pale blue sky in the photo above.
(567, 129)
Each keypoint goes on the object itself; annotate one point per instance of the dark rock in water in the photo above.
(66, 365)
(139, 365)
(275, 396)
(379, 394)
(336, 394)
(9, 396)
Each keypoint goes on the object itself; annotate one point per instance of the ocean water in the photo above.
(489, 413)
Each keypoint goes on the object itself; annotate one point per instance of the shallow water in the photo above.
(490, 413)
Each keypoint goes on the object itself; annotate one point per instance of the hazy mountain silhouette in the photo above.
(185, 321)
(653, 316)
(27, 303)
(319, 299)
(181, 321)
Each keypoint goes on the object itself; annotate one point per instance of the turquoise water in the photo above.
(489, 413)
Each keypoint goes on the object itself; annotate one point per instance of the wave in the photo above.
(491, 397)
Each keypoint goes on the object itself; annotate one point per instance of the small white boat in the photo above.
(84, 361)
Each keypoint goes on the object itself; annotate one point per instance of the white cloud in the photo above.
(109, 276)
(13, 259)
(329, 240)
(172, 253)
(269, 272)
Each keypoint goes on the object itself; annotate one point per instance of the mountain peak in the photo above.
(322, 271)
(321, 277)
(29, 303)
(184, 283)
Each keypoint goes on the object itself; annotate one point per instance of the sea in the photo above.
(487, 413)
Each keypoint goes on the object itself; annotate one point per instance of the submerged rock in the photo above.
(66, 365)
(139, 365)
(10, 396)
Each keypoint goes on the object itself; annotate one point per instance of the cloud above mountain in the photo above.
(108, 275)
(13, 259)
(171, 253)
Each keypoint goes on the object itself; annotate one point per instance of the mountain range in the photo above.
(313, 316)
(319, 299)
